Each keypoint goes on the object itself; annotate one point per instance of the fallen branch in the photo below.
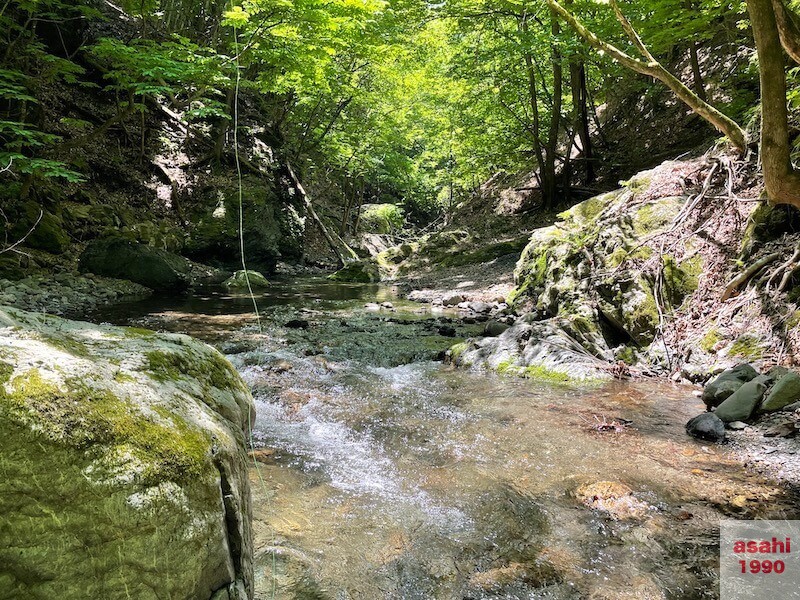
(745, 276)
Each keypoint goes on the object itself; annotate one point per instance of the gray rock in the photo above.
(742, 403)
(792, 407)
(727, 383)
(784, 392)
(480, 307)
(736, 425)
(494, 328)
(707, 426)
(452, 299)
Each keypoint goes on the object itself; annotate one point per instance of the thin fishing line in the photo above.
(264, 487)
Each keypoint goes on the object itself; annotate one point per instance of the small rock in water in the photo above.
(707, 426)
(372, 306)
(446, 331)
(480, 307)
(297, 324)
(387, 305)
(737, 425)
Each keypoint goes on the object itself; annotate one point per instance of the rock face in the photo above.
(124, 259)
(727, 383)
(783, 393)
(556, 351)
(239, 280)
(124, 465)
(707, 426)
(742, 403)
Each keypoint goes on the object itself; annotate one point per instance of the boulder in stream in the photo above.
(783, 393)
(727, 383)
(244, 280)
(124, 467)
(706, 426)
(121, 258)
(742, 403)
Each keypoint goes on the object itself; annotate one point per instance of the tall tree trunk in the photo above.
(697, 75)
(788, 29)
(549, 191)
(580, 102)
(780, 179)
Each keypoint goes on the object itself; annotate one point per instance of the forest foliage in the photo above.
(398, 101)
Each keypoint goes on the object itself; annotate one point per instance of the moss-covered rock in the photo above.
(244, 280)
(362, 271)
(44, 230)
(123, 259)
(124, 464)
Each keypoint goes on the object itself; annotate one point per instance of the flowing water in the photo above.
(380, 473)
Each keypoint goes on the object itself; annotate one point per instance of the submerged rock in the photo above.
(124, 466)
(783, 393)
(727, 383)
(240, 280)
(124, 259)
(707, 426)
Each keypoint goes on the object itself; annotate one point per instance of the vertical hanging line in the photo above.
(247, 278)
(239, 175)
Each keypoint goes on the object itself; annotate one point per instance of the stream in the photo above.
(381, 473)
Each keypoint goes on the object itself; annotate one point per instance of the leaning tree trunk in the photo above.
(780, 179)
(651, 67)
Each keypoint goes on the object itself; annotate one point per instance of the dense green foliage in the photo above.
(373, 101)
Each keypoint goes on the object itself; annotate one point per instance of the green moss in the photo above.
(627, 355)
(85, 418)
(709, 341)
(121, 377)
(621, 255)
(6, 370)
(457, 350)
(681, 279)
(793, 320)
(536, 372)
(638, 183)
(533, 274)
(485, 254)
(650, 218)
(68, 345)
(644, 318)
(747, 346)
(357, 272)
(591, 208)
(138, 332)
(214, 370)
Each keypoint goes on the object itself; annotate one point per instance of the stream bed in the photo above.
(381, 473)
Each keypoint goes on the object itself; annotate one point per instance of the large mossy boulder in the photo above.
(362, 271)
(41, 229)
(597, 263)
(273, 225)
(125, 472)
(124, 259)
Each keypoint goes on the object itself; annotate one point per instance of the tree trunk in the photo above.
(780, 179)
(788, 29)
(697, 75)
(580, 102)
(549, 192)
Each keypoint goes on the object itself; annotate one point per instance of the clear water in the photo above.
(380, 473)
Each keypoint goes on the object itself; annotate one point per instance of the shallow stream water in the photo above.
(382, 473)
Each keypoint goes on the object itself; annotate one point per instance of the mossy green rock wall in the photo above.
(124, 464)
